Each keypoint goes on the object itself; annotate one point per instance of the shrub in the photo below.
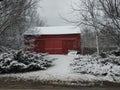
(19, 61)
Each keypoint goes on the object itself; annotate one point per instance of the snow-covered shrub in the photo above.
(108, 53)
(97, 66)
(115, 52)
(19, 61)
(103, 55)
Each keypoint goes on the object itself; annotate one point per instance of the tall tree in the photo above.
(102, 16)
(88, 15)
(15, 17)
(111, 9)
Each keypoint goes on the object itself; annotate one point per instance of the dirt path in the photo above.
(13, 84)
(68, 89)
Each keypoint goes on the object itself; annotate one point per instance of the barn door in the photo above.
(53, 46)
(69, 45)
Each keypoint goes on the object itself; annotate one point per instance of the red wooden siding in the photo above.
(56, 44)
(53, 46)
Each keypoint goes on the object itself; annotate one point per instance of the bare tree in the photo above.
(87, 16)
(12, 12)
(102, 16)
(16, 17)
(111, 9)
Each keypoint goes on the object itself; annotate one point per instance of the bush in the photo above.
(103, 55)
(19, 61)
(116, 52)
(97, 66)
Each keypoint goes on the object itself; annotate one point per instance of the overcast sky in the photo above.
(52, 9)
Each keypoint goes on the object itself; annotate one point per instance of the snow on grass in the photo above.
(60, 71)
(63, 69)
(103, 68)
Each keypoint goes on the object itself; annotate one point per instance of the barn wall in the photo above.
(54, 44)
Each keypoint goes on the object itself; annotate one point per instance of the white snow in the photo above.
(62, 71)
(102, 68)
(72, 52)
(56, 30)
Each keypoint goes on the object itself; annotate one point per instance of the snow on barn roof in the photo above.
(56, 30)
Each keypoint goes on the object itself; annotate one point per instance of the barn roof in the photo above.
(56, 30)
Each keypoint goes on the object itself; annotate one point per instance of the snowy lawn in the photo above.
(68, 68)
(59, 71)
(105, 68)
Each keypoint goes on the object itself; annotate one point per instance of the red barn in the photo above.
(53, 40)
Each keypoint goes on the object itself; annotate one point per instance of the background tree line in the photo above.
(101, 17)
(16, 16)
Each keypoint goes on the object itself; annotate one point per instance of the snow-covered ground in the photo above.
(104, 68)
(61, 71)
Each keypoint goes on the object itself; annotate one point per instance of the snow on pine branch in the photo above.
(19, 61)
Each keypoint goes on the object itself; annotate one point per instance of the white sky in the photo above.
(52, 9)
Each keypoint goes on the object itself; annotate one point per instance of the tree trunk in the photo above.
(97, 44)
